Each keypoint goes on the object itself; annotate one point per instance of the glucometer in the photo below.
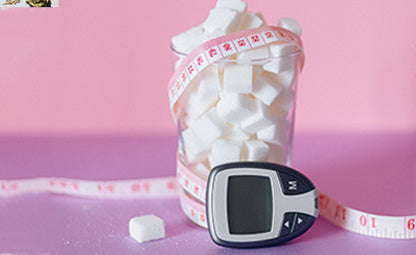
(256, 204)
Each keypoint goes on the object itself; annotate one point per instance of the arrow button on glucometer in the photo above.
(287, 225)
(301, 221)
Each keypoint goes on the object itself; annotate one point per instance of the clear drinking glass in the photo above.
(273, 126)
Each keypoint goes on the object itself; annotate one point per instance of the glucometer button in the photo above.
(300, 221)
(292, 185)
(287, 225)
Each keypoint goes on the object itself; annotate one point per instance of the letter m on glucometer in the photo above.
(256, 204)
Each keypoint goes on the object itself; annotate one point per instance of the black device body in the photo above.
(258, 204)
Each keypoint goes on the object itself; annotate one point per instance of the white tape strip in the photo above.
(158, 187)
(401, 227)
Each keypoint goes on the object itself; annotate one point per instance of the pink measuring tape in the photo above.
(194, 189)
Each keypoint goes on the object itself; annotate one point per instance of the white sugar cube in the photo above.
(146, 228)
(284, 59)
(283, 102)
(236, 5)
(260, 16)
(224, 19)
(284, 79)
(194, 148)
(275, 133)
(189, 40)
(236, 134)
(224, 151)
(234, 108)
(261, 119)
(255, 150)
(202, 171)
(281, 49)
(256, 53)
(280, 65)
(238, 78)
(264, 89)
(209, 127)
(216, 33)
(277, 154)
(207, 87)
(290, 24)
(251, 20)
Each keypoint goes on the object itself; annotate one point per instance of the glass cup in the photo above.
(238, 109)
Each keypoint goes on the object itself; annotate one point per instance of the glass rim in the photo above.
(253, 60)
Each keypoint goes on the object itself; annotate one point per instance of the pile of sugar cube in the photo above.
(237, 109)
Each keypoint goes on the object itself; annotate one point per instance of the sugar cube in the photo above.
(236, 134)
(238, 78)
(264, 89)
(234, 108)
(290, 24)
(209, 127)
(146, 228)
(194, 148)
(256, 53)
(284, 79)
(275, 133)
(255, 150)
(251, 20)
(236, 5)
(224, 19)
(283, 102)
(261, 119)
(224, 151)
(189, 40)
(202, 171)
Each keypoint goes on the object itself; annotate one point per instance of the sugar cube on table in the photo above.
(224, 19)
(266, 89)
(224, 151)
(255, 150)
(238, 78)
(234, 107)
(146, 228)
(290, 24)
(236, 5)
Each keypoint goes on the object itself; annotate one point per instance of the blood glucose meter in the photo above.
(256, 204)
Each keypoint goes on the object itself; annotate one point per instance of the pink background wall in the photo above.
(103, 66)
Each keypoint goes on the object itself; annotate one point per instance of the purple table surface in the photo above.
(374, 173)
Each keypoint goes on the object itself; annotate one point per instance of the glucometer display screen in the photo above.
(249, 204)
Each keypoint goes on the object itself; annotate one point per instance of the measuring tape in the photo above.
(192, 196)
(191, 192)
(147, 188)
(222, 47)
(192, 199)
